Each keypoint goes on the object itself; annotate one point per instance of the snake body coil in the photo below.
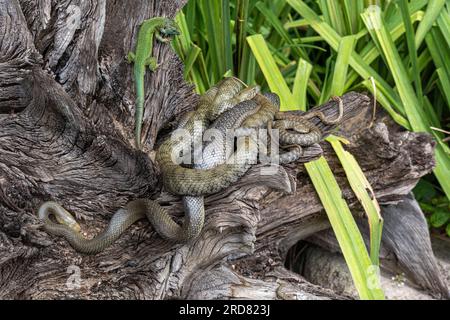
(226, 106)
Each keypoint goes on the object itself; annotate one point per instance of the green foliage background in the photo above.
(307, 51)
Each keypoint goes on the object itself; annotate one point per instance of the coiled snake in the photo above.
(226, 106)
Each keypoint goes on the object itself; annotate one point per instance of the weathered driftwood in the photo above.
(406, 246)
(66, 131)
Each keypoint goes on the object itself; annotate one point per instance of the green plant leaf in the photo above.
(350, 240)
(386, 104)
(190, 59)
(215, 36)
(416, 115)
(424, 191)
(301, 83)
(444, 24)
(434, 8)
(345, 50)
(365, 194)
(356, 61)
(271, 72)
(412, 49)
(345, 229)
(439, 218)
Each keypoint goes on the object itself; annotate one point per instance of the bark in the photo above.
(66, 134)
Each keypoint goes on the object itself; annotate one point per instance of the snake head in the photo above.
(62, 216)
(248, 93)
(65, 218)
(167, 31)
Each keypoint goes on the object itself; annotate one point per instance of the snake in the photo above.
(224, 96)
(296, 131)
(228, 105)
(215, 154)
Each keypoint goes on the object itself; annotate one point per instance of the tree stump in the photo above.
(66, 134)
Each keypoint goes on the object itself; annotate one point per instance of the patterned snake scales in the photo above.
(230, 105)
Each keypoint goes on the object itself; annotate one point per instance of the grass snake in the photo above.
(229, 105)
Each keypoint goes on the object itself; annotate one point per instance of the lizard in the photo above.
(163, 29)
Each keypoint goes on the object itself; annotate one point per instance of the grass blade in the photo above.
(271, 72)
(332, 14)
(444, 24)
(279, 28)
(345, 229)
(445, 83)
(438, 50)
(344, 226)
(409, 32)
(381, 99)
(228, 50)
(416, 115)
(342, 62)
(361, 187)
(215, 37)
(356, 62)
(301, 83)
(190, 59)
(396, 27)
(434, 8)
(242, 7)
